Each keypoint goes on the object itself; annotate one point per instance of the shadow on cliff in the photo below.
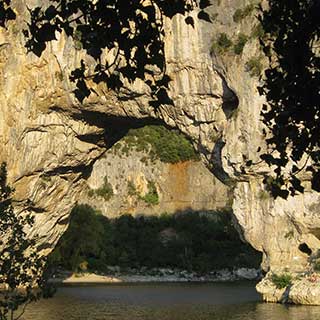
(196, 241)
(115, 127)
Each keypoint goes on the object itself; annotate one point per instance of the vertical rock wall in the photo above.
(179, 187)
(51, 142)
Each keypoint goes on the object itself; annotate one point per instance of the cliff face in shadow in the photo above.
(51, 141)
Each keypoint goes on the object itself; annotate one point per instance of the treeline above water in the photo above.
(194, 241)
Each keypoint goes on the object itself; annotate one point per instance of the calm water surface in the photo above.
(217, 301)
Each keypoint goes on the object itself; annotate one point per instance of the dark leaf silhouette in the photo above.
(316, 181)
(133, 29)
(204, 4)
(20, 264)
(6, 13)
(292, 87)
(189, 20)
(204, 16)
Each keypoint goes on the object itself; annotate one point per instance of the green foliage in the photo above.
(135, 36)
(20, 264)
(6, 13)
(254, 66)
(168, 146)
(198, 242)
(289, 234)
(59, 75)
(291, 87)
(240, 43)
(264, 195)
(222, 44)
(84, 238)
(105, 191)
(258, 31)
(316, 266)
(240, 14)
(152, 197)
(132, 191)
(281, 281)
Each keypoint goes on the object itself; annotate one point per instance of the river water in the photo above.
(214, 301)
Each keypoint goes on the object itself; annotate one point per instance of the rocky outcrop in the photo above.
(51, 141)
(302, 290)
(179, 187)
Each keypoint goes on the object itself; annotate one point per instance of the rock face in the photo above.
(302, 290)
(51, 142)
(178, 186)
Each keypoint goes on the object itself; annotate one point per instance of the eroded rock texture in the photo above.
(129, 179)
(50, 141)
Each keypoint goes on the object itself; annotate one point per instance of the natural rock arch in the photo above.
(49, 142)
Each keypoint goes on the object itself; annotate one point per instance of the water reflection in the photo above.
(164, 302)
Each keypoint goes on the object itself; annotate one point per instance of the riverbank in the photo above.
(156, 275)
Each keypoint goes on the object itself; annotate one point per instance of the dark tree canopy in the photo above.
(21, 266)
(132, 29)
(292, 90)
(6, 12)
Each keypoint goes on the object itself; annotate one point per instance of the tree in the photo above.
(292, 33)
(84, 239)
(21, 267)
(6, 12)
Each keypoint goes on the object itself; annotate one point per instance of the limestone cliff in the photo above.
(51, 142)
(129, 175)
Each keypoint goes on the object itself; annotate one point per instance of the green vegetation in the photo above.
(77, 40)
(21, 266)
(258, 31)
(316, 266)
(132, 191)
(281, 281)
(289, 234)
(105, 191)
(240, 43)
(59, 75)
(240, 14)
(254, 66)
(264, 195)
(222, 44)
(189, 240)
(152, 197)
(161, 143)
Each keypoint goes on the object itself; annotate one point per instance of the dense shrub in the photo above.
(152, 197)
(258, 31)
(198, 242)
(83, 239)
(254, 66)
(240, 14)
(240, 43)
(222, 43)
(316, 266)
(281, 281)
(161, 143)
(105, 191)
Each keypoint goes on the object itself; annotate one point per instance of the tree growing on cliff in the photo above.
(292, 82)
(21, 268)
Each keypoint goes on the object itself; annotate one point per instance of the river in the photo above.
(214, 301)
